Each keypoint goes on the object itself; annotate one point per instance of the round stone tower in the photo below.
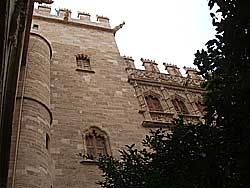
(34, 168)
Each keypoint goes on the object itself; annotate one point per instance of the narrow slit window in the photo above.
(47, 142)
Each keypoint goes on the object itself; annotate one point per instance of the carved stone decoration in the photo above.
(153, 103)
(66, 15)
(117, 28)
(129, 62)
(163, 117)
(200, 107)
(150, 65)
(179, 106)
(149, 76)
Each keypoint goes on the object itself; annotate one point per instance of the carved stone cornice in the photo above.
(166, 79)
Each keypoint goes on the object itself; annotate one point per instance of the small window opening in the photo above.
(35, 26)
(83, 62)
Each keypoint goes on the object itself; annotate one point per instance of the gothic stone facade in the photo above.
(78, 96)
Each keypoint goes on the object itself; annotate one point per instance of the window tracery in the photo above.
(83, 62)
(179, 106)
(96, 144)
(153, 103)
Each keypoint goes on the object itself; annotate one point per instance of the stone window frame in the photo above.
(155, 119)
(95, 132)
(83, 63)
(151, 101)
(180, 105)
(154, 95)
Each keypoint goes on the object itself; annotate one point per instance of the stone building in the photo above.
(15, 21)
(78, 95)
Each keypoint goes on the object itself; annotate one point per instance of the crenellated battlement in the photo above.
(153, 74)
(65, 15)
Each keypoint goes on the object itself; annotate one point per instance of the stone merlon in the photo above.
(150, 65)
(129, 62)
(103, 20)
(44, 9)
(172, 69)
(84, 16)
(44, 12)
(192, 72)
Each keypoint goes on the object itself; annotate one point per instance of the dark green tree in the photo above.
(225, 64)
(183, 158)
(213, 155)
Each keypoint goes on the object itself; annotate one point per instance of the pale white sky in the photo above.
(163, 30)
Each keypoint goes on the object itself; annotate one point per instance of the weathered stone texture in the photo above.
(110, 97)
(32, 164)
(80, 100)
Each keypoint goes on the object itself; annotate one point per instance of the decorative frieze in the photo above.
(149, 76)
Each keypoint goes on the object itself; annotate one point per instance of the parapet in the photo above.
(153, 75)
(64, 14)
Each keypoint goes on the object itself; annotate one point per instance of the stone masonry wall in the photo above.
(80, 100)
(109, 95)
(34, 165)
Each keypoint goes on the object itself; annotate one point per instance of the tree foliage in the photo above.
(173, 160)
(226, 64)
(211, 155)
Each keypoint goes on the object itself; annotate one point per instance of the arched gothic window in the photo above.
(179, 106)
(153, 103)
(96, 143)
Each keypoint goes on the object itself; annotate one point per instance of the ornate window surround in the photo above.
(155, 118)
(96, 133)
(153, 103)
(180, 104)
(83, 63)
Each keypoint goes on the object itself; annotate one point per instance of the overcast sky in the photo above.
(163, 30)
